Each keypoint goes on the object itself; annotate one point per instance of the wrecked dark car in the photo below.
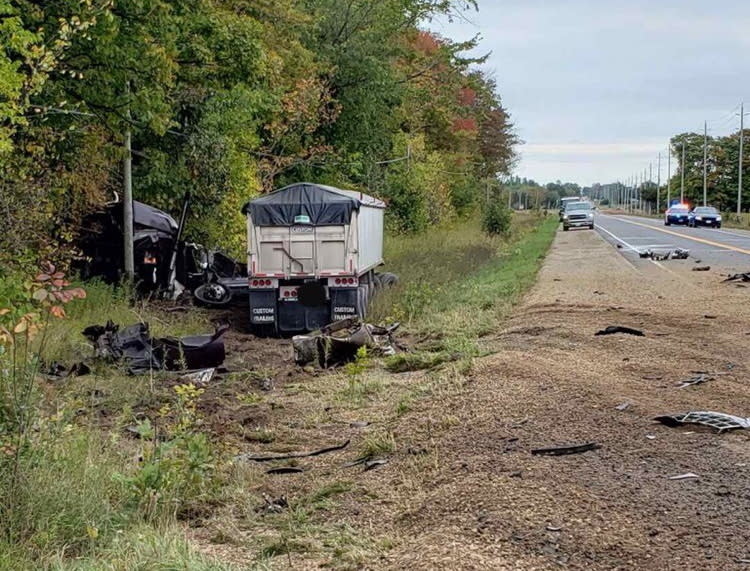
(213, 277)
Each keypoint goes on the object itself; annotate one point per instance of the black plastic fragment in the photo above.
(565, 450)
(613, 329)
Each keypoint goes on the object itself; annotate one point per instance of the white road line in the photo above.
(630, 246)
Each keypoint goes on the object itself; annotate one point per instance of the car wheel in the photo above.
(718, 225)
(565, 228)
(591, 226)
(666, 223)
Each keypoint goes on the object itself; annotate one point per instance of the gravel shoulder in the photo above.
(483, 501)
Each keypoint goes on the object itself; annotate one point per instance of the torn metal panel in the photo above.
(339, 342)
(717, 420)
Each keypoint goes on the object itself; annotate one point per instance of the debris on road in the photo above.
(141, 353)
(650, 437)
(688, 476)
(293, 456)
(745, 277)
(696, 380)
(624, 406)
(717, 420)
(660, 255)
(565, 450)
(702, 268)
(612, 329)
(338, 343)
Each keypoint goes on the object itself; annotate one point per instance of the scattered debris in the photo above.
(624, 406)
(285, 470)
(718, 420)
(339, 342)
(274, 505)
(265, 384)
(565, 450)
(612, 329)
(372, 464)
(357, 462)
(660, 255)
(708, 316)
(141, 353)
(745, 277)
(696, 380)
(688, 476)
(702, 268)
(650, 437)
(58, 371)
(199, 378)
(358, 424)
(554, 528)
(251, 458)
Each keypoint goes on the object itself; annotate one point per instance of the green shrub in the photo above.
(496, 218)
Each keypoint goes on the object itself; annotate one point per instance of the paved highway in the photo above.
(724, 249)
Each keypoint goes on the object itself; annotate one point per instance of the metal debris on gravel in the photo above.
(688, 476)
(696, 380)
(745, 277)
(717, 420)
(661, 255)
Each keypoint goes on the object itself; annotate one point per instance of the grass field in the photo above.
(139, 482)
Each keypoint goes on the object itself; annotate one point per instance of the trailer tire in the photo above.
(388, 279)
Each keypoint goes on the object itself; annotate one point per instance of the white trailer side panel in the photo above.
(369, 238)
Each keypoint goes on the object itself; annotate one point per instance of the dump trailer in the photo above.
(312, 254)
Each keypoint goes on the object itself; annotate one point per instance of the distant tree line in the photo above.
(229, 99)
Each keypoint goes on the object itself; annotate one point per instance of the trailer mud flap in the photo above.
(263, 307)
(345, 303)
(293, 316)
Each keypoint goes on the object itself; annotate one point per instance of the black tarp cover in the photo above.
(302, 203)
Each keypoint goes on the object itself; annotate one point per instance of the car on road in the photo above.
(578, 215)
(677, 214)
(704, 216)
(567, 200)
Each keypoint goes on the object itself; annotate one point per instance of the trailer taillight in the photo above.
(262, 283)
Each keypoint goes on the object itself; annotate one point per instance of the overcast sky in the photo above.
(597, 87)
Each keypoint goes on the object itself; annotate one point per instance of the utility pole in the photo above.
(705, 162)
(658, 185)
(742, 144)
(682, 185)
(651, 177)
(127, 199)
(669, 172)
